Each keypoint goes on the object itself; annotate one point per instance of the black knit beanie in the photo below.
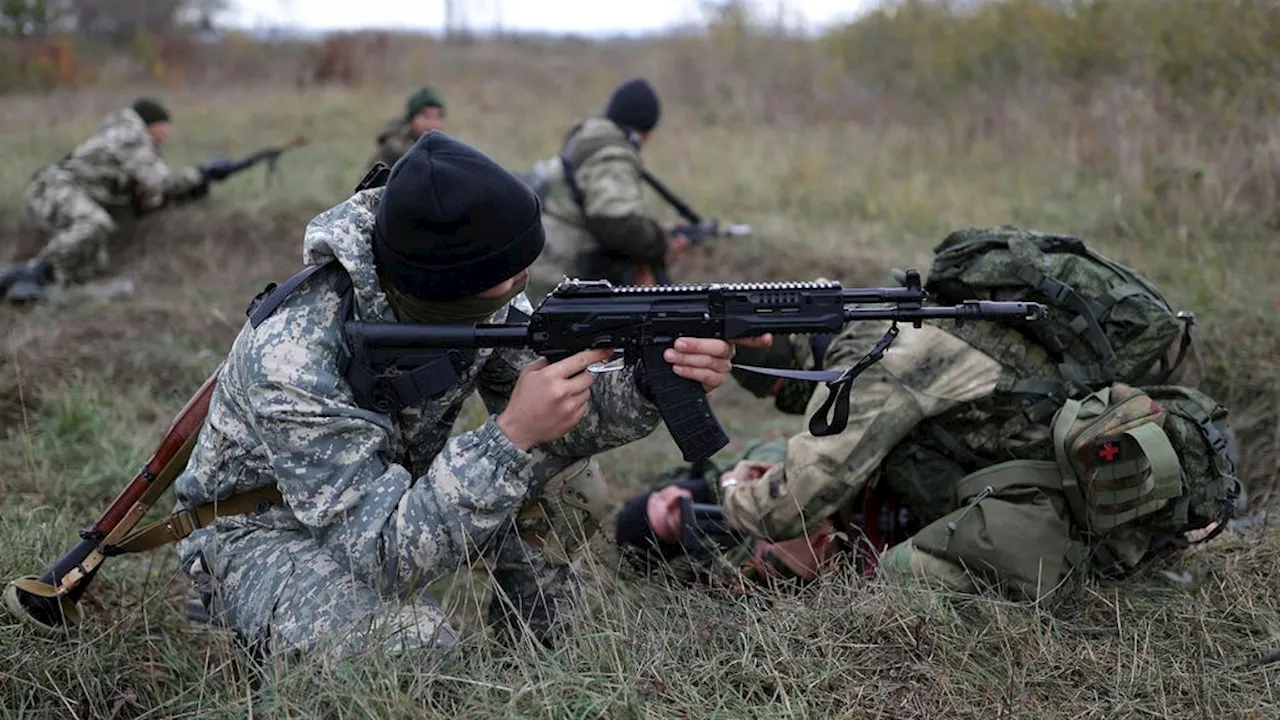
(150, 110)
(453, 223)
(634, 104)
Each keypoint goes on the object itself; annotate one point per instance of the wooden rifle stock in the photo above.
(50, 599)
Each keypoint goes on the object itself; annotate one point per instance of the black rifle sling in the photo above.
(839, 382)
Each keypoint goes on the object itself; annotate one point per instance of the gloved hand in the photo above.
(217, 169)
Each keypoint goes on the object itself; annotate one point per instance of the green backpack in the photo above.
(1106, 323)
(1133, 469)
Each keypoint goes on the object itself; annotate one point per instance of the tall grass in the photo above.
(1149, 128)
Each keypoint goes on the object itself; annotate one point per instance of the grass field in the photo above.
(86, 388)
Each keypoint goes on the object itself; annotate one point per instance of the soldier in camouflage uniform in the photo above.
(600, 229)
(423, 112)
(375, 506)
(70, 201)
(924, 423)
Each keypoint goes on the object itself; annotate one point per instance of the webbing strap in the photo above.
(1061, 453)
(155, 489)
(1042, 474)
(1084, 324)
(837, 402)
(1164, 482)
(266, 302)
(1108, 302)
(184, 522)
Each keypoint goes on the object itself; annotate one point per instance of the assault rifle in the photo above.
(642, 322)
(223, 168)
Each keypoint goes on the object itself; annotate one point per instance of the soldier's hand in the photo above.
(549, 399)
(217, 169)
(707, 361)
(746, 471)
(663, 511)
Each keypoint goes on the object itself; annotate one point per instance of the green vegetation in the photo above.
(1147, 127)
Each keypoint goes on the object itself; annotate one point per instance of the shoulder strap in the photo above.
(266, 302)
(571, 148)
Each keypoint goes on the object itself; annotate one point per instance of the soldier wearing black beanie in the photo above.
(595, 217)
(453, 223)
(634, 104)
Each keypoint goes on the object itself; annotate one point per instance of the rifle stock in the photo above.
(50, 600)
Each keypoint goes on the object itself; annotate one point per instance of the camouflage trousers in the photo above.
(76, 226)
(280, 591)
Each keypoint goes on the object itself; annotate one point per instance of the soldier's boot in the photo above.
(538, 566)
(30, 283)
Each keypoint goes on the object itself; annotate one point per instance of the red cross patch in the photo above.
(1107, 452)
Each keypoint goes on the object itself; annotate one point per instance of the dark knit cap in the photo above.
(634, 104)
(423, 97)
(150, 110)
(453, 223)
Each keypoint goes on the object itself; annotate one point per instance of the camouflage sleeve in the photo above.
(613, 205)
(332, 463)
(617, 413)
(926, 372)
(143, 163)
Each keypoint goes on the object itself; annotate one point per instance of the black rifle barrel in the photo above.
(444, 335)
(972, 310)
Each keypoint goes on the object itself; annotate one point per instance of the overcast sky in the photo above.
(578, 16)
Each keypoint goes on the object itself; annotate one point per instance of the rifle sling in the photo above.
(184, 522)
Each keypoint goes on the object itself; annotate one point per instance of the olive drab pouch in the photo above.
(1010, 527)
(1106, 323)
(1116, 462)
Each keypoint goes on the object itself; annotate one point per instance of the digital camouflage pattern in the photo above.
(118, 166)
(377, 506)
(612, 220)
(394, 140)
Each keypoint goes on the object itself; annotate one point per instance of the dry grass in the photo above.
(841, 178)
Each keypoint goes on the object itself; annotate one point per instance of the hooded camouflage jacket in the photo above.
(612, 218)
(120, 160)
(394, 140)
(380, 492)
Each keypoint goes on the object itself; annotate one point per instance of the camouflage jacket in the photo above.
(394, 140)
(384, 493)
(121, 163)
(928, 372)
(612, 217)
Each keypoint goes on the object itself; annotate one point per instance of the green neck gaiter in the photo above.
(472, 309)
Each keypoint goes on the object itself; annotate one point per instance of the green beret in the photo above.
(150, 110)
(424, 97)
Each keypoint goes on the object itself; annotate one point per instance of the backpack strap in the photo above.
(572, 147)
(1070, 485)
(1085, 324)
(266, 302)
